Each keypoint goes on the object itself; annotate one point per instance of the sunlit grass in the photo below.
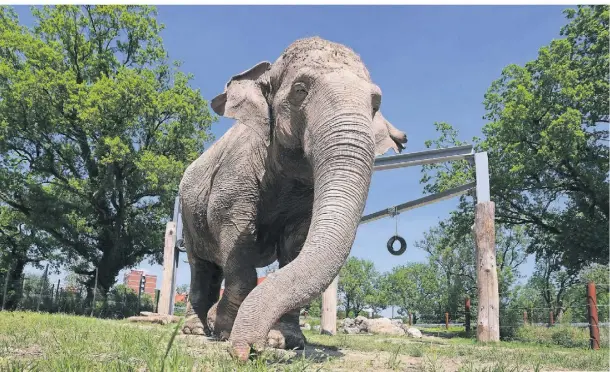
(43, 342)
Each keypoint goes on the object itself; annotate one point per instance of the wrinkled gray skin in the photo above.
(289, 182)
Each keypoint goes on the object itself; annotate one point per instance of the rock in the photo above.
(414, 332)
(397, 322)
(347, 322)
(383, 326)
(306, 327)
(351, 330)
(360, 320)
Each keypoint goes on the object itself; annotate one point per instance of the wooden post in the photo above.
(169, 269)
(57, 289)
(142, 278)
(551, 320)
(467, 314)
(593, 320)
(157, 300)
(525, 317)
(488, 326)
(94, 293)
(42, 282)
(446, 321)
(328, 321)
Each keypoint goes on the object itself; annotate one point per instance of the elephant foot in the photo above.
(220, 326)
(286, 336)
(193, 326)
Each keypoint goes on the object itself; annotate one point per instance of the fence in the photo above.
(578, 325)
(585, 323)
(37, 294)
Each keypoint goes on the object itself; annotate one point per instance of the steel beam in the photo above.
(482, 177)
(429, 199)
(412, 159)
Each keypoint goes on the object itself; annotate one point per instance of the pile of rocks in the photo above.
(383, 326)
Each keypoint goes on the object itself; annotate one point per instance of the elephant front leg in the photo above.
(204, 292)
(286, 333)
(238, 285)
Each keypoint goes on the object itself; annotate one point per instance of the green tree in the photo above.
(356, 284)
(22, 246)
(452, 254)
(547, 141)
(415, 289)
(96, 128)
(380, 296)
(182, 289)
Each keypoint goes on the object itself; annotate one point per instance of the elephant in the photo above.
(287, 182)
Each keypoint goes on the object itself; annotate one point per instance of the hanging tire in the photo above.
(399, 251)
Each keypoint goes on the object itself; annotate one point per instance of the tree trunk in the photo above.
(14, 286)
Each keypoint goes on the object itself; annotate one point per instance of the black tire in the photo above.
(399, 251)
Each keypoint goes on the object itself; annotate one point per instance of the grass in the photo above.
(43, 342)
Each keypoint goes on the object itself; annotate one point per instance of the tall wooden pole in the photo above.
(593, 319)
(94, 293)
(328, 321)
(488, 322)
(488, 325)
(169, 269)
(467, 314)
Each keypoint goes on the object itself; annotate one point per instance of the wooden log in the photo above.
(328, 321)
(488, 323)
(169, 268)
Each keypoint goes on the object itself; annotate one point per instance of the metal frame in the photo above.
(412, 159)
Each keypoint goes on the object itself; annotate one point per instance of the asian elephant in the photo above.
(288, 181)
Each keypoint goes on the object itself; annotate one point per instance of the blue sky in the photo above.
(433, 63)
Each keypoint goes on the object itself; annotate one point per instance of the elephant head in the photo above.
(316, 98)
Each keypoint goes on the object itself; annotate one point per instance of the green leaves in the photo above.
(356, 284)
(96, 128)
(547, 145)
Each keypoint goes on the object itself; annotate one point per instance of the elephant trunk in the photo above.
(341, 151)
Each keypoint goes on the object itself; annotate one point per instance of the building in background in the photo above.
(132, 280)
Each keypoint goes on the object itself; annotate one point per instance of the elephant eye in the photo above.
(375, 110)
(299, 91)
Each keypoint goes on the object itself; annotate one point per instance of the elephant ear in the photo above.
(244, 99)
(387, 136)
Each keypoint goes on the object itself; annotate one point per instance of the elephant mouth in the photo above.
(401, 142)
